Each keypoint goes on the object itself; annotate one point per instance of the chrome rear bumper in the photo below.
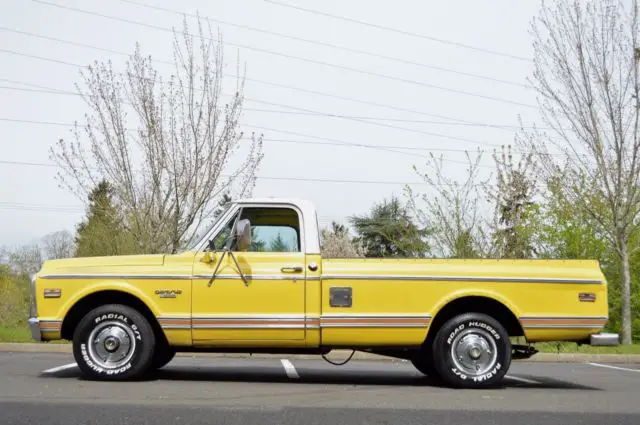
(604, 339)
(34, 325)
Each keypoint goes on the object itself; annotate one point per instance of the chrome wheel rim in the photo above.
(474, 352)
(111, 344)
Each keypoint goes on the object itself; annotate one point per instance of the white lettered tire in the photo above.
(113, 342)
(472, 350)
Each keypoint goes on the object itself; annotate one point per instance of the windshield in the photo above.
(199, 238)
(221, 239)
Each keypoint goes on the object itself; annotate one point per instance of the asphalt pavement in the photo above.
(46, 388)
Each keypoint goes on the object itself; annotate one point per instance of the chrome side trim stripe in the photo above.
(290, 321)
(564, 318)
(50, 326)
(552, 326)
(175, 323)
(566, 322)
(248, 318)
(176, 327)
(431, 278)
(117, 276)
(375, 321)
(374, 325)
(251, 276)
(411, 278)
(169, 276)
(376, 315)
(247, 326)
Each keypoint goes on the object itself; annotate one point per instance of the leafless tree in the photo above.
(25, 260)
(452, 212)
(514, 223)
(586, 75)
(58, 245)
(336, 243)
(168, 171)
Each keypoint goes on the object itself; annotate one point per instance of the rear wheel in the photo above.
(423, 361)
(113, 342)
(472, 350)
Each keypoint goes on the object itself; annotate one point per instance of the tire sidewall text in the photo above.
(489, 328)
(89, 323)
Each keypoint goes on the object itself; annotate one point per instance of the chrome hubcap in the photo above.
(111, 344)
(474, 352)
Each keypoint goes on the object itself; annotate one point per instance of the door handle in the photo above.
(291, 269)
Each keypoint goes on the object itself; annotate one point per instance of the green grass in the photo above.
(21, 334)
(15, 334)
(567, 347)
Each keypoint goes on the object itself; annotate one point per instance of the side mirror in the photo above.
(208, 257)
(243, 233)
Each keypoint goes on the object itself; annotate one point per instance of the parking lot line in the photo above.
(523, 380)
(60, 368)
(291, 371)
(615, 367)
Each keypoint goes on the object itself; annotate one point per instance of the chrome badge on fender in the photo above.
(168, 293)
(52, 292)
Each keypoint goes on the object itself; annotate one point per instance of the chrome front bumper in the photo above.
(604, 339)
(34, 325)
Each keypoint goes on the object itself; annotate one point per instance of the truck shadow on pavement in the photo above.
(321, 376)
(337, 377)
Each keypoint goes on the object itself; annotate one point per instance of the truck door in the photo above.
(257, 294)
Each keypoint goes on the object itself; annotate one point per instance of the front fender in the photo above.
(92, 288)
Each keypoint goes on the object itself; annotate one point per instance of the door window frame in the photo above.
(236, 208)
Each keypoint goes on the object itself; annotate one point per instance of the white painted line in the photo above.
(523, 380)
(291, 371)
(615, 367)
(60, 368)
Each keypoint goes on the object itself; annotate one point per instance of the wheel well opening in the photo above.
(476, 304)
(88, 303)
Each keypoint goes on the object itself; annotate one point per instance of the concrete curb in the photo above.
(339, 355)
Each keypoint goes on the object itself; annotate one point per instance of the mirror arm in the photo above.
(242, 276)
(215, 272)
(227, 249)
(233, 257)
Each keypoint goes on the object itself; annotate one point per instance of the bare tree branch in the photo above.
(59, 245)
(168, 174)
(586, 72)
(451, 214)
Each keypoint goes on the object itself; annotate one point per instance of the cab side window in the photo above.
(273, 229)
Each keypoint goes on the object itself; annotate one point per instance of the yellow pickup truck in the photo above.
(256, 282)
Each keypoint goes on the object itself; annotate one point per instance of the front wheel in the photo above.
(113, 342)
(472, 351)
(162, 356)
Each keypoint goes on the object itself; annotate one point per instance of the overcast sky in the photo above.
(421, 114)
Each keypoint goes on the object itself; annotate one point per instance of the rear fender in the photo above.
(457, 295)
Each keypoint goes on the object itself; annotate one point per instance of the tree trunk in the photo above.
(626, 293)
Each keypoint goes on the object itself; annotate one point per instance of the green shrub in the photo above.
(14, 302)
